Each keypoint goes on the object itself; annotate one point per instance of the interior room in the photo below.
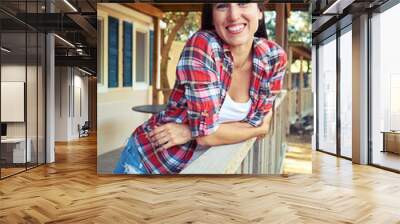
(22, 100)
(48, 157)
(42, 77)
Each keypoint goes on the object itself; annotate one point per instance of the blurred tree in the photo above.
(270, 23)
(299, 26)
(189, 27)
(180, 26)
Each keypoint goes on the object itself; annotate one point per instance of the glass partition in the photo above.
(13, 95)
(22, 77)
(346, 93)
(385, 89)
(327, 96)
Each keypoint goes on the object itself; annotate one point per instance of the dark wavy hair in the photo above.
(207, 20)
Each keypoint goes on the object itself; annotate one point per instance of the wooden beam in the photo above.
(145, 8)
(179, 7)
(300, 53)
(293, 6)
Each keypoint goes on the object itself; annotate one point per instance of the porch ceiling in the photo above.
(299, 51)
(185, 7)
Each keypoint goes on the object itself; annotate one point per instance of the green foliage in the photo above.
(299, 26)
(270, 24)
(192, 24)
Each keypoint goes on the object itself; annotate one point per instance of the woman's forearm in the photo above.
(230, 133)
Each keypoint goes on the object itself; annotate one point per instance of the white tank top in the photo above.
(233, 111)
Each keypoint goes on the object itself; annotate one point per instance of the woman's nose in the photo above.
(234, 12)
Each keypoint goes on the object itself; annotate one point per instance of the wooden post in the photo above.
(288, 109)
(289, 53)
(156, 62)
(281, 31)
(301, 83)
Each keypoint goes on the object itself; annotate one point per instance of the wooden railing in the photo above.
(292, 105)
(306, 102)
(300, 103)
(250, 157)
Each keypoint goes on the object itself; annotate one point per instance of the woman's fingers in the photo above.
(158, 136)
(162, 140)
(157, 130)
(169, 135)
(158, 133)
(165, 146)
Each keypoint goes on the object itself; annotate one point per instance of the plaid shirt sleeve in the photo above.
(197, 72)
(271, 84)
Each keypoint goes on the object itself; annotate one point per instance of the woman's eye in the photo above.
(221, 6)
(243, 4)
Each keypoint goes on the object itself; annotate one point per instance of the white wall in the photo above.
(33, 127)
(80, 94)
(61, 103)
(15, 72)
(115, 118)
(70, 84)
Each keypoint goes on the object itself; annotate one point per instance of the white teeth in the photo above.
(236, 28)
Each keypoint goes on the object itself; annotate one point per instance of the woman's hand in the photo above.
(265, 126)
(170, 134)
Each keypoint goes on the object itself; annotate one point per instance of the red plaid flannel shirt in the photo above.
(203, 76)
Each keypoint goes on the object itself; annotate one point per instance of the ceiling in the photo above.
(72, 20)
(339, 13)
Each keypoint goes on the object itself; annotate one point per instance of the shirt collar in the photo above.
(259, 48)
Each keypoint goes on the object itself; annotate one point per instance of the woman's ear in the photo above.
(260, 15)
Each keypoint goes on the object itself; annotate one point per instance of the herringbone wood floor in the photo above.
(70, 191)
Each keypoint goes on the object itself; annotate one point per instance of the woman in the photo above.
(223, 92)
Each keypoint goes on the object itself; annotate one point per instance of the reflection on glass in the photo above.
(346, 94)
(327, 97)
(385, 89)
(22, 90)
(13, 85)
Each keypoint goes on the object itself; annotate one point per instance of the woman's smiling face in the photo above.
(236, 23)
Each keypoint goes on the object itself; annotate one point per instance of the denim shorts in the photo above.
(130, 160)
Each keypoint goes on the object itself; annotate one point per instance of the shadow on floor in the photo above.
(107, 161)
